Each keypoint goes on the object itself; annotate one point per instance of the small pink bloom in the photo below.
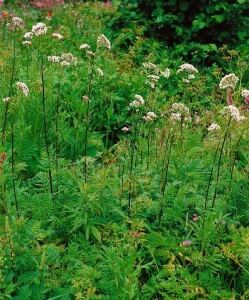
(229, 101)
(195, 219)
(38, 247)
(136, 233)
(247, 100)
(185, 243)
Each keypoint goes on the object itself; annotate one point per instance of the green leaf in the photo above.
(218, 18)
(96, 233)
(57, 297)
(198, 24)
(183, 5)
(242, 35)
(88, 232)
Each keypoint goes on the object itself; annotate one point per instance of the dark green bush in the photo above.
(204, 21)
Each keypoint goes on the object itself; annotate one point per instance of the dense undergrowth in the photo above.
(124, 168)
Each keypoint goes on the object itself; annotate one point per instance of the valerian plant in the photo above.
(123, 169)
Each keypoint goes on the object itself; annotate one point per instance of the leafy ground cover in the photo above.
(123, 168)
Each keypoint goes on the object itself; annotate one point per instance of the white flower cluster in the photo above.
(188, 68)
(57, 35)
(125, 129)
(149, 116)
(102, 41)
(138, 102)
(176, 117)
(228, 81)
(23, 87)
(90, 53)
(55, 59)
(180, 112)
(84, 46)
(28, 35)
(39, 29)
(214, 127)
(86, 98)
(151, 66)
(166, 73)
(100, 71)
(7, 99)
(68, 59)
(153, 78)
(233, 112)
(18, 22)
(27, 43)
(245, 93)
(179, 107)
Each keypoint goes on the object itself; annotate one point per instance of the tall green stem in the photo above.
(88, 114)
(45, 127)
(219, 163)
(13, 166)
(232, 168)
(163, 189)
(11, 87)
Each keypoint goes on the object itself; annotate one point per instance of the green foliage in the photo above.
(195, 25)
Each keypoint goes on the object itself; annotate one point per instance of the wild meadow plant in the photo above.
(149, 202)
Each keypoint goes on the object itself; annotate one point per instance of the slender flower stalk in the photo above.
(232, 168)
(10, 88)
(219, 162)
(57, 134)
(13, 167)
(87, 118)
(45, 127)
(211, 175)
(164, 183)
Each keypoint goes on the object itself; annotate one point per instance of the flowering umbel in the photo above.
(228, 81)
(233, 112)
(55, 59)
(149, 116)
(214, 127)
(68, 59)
(138, 102)
(245, 93)
(18, 22)
(39, 29)
(189, 71)
(85, 46)
(103, 41)
(24, 88)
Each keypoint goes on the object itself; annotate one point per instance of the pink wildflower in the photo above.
(185, 243)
